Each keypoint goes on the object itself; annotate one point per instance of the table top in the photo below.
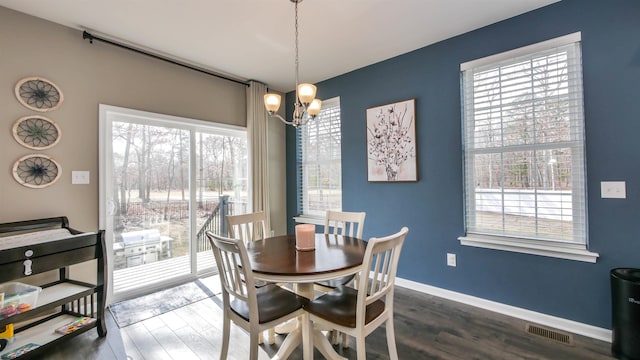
(276, 258)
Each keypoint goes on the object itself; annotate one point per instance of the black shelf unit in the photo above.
(60, 301)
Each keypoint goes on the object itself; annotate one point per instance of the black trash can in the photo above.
(625, 309)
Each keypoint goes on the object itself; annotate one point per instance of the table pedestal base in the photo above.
(320, 342)
(296, 337)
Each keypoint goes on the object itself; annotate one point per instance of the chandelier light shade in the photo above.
(272, 103)
(314, 108)
(306, 106)
(306, 93)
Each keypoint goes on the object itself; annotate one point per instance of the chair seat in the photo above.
(339, 307)
(273, 302)
(334, 283)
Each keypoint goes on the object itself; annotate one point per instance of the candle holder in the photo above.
(305, 237)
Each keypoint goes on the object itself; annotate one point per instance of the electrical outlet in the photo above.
(613, 190)
(80, 177)
(451, 259)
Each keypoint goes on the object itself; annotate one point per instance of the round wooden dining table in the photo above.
(276, 259)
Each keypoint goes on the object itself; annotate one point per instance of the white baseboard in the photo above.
(528, 315)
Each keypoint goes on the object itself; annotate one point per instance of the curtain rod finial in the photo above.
(86, 35)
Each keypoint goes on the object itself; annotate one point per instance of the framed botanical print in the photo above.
(391, 142)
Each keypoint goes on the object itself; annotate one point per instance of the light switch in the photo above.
(80, 177)
(613, 190)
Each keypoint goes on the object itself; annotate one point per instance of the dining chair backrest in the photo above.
(381, 260)
(248, 227)
(344, 223)
(234, 270)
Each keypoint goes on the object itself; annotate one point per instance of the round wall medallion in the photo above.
(36, 132)
(36, 171)
(39, 94)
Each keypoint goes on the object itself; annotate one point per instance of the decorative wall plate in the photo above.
(36, 171)
(39, 94)
(36, 132)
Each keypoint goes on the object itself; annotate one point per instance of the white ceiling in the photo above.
(254, 39)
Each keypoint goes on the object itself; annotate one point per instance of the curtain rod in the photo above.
(86, 35)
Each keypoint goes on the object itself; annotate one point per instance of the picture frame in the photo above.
(391, 142)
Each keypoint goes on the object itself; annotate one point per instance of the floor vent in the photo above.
(550, 334)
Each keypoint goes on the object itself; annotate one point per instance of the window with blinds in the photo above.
(320, 162)
(523, 133)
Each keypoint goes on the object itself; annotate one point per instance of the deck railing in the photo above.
(216, 222)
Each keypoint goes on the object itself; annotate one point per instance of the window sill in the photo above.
(302, 219)
(556, 250)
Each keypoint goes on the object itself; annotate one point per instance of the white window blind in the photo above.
(320, 162)
(523, 137)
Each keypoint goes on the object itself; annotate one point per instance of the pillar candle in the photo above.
(305, 237)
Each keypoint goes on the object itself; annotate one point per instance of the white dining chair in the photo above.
(344, 223)
(360, 310)
(251, 227)
(254, 309)
(341, 223)
(347, 224)
(248, 227)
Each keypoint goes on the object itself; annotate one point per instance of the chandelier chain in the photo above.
(296, 45)
(305, 111)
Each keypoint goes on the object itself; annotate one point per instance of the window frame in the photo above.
(302, 197)
(572, 250)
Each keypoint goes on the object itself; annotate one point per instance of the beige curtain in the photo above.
(258, 148)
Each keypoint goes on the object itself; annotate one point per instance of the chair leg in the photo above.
(391, 340)
(307, 337)
(272, 336)
(345, 341)
(333, 337)
(226, 329)
(360, 349)
(253, 343)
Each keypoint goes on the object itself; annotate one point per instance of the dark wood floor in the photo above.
(427, 327)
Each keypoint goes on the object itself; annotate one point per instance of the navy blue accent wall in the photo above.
(432, 208)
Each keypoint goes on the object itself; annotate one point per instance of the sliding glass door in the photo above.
(165, 181)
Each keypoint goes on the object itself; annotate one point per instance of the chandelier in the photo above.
(306, 106)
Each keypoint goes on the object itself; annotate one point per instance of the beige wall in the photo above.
(90, 74)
